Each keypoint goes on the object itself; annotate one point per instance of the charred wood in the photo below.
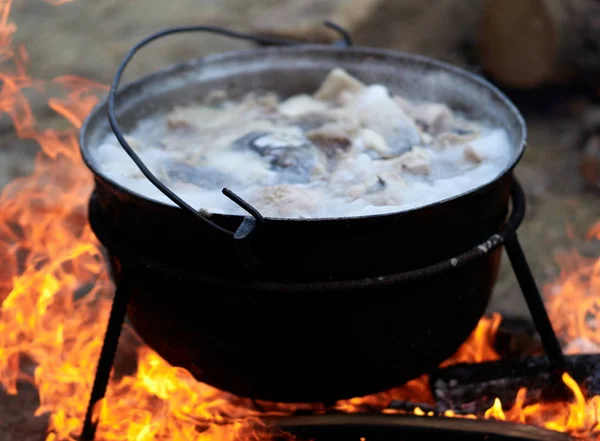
(472, 388)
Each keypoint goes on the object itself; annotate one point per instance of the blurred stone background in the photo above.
(89, 38)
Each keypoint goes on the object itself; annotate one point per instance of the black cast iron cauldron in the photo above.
(300, 310)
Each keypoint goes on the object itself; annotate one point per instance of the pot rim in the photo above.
(484, 249)
(304, 49)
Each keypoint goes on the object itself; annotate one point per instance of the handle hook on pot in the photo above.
(249, 224)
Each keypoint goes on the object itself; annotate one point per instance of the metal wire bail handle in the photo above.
(249, 224)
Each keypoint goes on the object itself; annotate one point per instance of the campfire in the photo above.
(56, 297)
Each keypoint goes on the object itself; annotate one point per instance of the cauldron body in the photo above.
(320, 317)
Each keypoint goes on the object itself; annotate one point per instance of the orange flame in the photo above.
(56, 296)
(580, 418)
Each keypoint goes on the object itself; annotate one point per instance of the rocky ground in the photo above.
(89, 39)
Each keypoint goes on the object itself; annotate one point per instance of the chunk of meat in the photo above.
(283, 200)
(415, 161)
(375, 142)
(336, 82)
(178, 124)
(472, 156)
(299, 105)
(331, 138)
(380, 113)
(449, 139)
(436, 118)
(346, 97)
(389, 193)
(367, 188)
(265, 101)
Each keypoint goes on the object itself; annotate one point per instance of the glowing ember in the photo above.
(56, 296)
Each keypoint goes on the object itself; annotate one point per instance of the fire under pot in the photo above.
(361, 304)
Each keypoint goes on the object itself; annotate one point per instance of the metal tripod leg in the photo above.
(106, 360)
(535, 303)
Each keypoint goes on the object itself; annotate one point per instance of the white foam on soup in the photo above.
(349, 149)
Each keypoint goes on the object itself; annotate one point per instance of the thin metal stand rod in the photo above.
(535, 303)
(106, 360)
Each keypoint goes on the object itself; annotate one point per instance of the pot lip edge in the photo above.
(313, 48)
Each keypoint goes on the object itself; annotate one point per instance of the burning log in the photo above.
(530, 43)
(472, 388)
